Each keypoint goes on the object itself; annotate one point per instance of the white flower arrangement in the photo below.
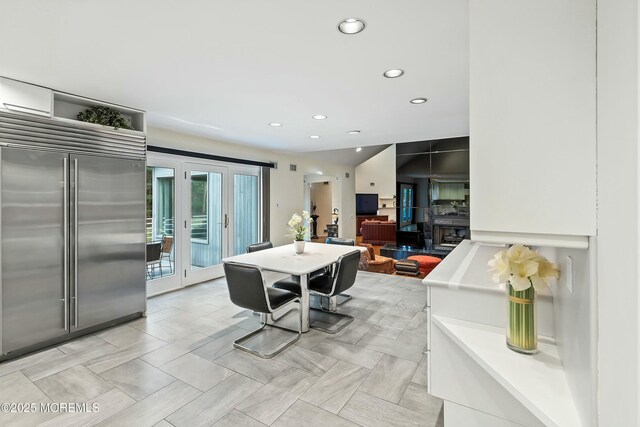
(297, 225)
(522, 268)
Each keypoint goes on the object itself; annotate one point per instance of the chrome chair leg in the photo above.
(342, 298)
(330, 314)
(280, 348)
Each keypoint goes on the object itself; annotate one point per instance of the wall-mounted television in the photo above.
(366, 204)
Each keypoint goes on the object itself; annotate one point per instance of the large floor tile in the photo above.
(137, 378)
(163, 331)
(125, 336)
(419, 321)
(176, 349)
(237, 419)
(68, 360)
(349, 353)
(82, 343)
(373, 316)
(109, 404)
(16, 388)
(117, 358)
(413, 303)
(417, 399)
(420, 376)
(413, 337)
(154, 408)
(397, 311)
(336, 386)
(76, 384)
(352, 333)
(389, 379)
(272, 400)
(386, 331)
(196, 371)
(302, 414)
(371, 411)
(28, 361)
(259, 369)
(220, 345)
(307, 360)
(214, 404)
(392, 347)
(394, 322)
(312, 338)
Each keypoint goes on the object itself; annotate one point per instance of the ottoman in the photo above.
(408, 267)
(427, 263)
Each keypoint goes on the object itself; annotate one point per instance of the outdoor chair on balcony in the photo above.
(154, 251)
(165, 252)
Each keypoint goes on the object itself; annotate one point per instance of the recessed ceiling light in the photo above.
(319, 172)
(392, 74)
(359, 149)
(353, 132)
(314, 137)
(419, 100)
(351, 26)
(319, 117)
(275, 125)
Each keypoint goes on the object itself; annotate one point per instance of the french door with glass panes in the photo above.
(222, 217)
(163, 234)
(205, 221)
(207, 212)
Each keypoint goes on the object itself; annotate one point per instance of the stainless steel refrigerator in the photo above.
(72, 238)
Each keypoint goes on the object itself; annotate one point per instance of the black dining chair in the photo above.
(329, 285)
(291, 283)
(342, 298)
(247, 289)
(255, 247)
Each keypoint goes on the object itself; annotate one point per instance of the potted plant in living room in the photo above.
(298, 229)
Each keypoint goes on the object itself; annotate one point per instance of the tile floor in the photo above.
(178, 367)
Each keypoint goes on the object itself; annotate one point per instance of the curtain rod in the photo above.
(195, 154)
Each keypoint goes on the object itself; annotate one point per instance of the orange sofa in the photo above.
(376, 263)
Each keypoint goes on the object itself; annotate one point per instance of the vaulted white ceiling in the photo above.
(226, 69)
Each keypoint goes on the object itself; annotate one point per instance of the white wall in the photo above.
(575, 324)
(380, 170)
(618, 254)
(287, 188)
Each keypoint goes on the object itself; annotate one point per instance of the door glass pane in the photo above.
(160, 222)
(245, 212)
(206, 219)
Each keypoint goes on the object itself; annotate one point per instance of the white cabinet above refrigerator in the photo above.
(26, 98)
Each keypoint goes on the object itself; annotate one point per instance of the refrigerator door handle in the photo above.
(75, 242)
(65, 191)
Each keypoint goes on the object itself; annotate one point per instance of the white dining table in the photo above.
(283, 259)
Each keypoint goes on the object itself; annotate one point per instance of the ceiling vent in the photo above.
(293, 168)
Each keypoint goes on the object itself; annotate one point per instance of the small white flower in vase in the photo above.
(297, 226)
